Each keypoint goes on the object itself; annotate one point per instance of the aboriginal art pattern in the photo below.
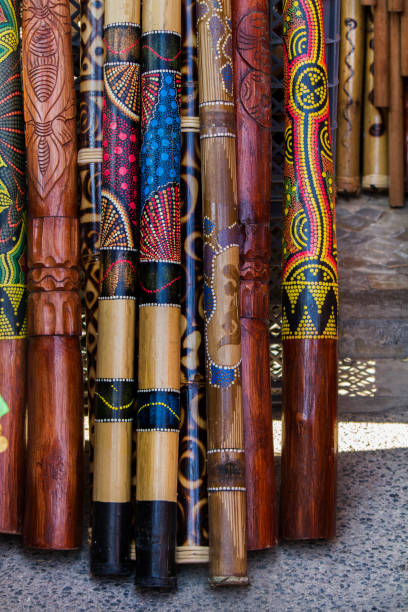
(192, 503)
(13, 320)
(310, 290)
(160, 253)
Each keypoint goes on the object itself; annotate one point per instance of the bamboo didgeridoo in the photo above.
(192, 524)
(310, 291)
(350, 97)
(254, 147)
(54, 487)
(225, 455)
(158, 406)
(115, 385)
(381, 55)
(13, 320)
(89, 166)
(396, 193)
(375, 140)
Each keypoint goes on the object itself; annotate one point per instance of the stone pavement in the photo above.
(366, 567)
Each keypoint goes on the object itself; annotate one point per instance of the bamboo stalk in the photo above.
(115, 385)
(13, 294)
(225, 455)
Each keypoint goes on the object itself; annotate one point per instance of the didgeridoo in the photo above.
(310, 290)
(350, 97)
(115, 385)
(54, 487)
(254, 145)
(225, 454)
(89, 167)
(13, 296)
(375, 135)
(158, 405)
(192, 524)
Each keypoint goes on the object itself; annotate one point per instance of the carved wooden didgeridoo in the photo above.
(310, 292)
(375, 155)
(89, 166)
(192, 529)
(381, 55)
(254, 145)
(225, 455)
(158, 406)
(13, 320)
(350, 97)
(115, 385)
(54, 487)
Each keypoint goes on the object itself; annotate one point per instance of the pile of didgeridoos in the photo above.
(373, 97)
(173, 234)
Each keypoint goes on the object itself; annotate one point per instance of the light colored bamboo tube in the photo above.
(396, 118)
(381, 55)
(350, 97)
(375, 134)
(225, 455)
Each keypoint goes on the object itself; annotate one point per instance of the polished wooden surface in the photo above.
(53, 512)
(254, 146)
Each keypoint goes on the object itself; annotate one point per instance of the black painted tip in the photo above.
(109, 553)
(156, 527)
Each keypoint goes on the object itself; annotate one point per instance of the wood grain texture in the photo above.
(226, 472)
(192, 529)
(404, 41)
(350, 97)
(375, 134)
(13, 295)
(396, 191)
(53, 512)
(310, 285)
(381, 55)
(254, 146)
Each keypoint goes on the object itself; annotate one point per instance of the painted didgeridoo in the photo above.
(115, 385)
(13, 295)
(310, 290)
(350, 97)
(89, 167)
(158, 405)
(254, 146)
(54, 486)
(192, 524)
(375, 135)
(225, 439)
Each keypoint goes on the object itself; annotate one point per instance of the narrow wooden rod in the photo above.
(375, 134)
(158, 407)
(225, 455)
(404, 40)
(254, 163)
(89, 168)
(350, 97)
(13, 296)
(310, 292)
(115, 384)
(381, 55)
(54, 486)
(192, 531)
(396, 118)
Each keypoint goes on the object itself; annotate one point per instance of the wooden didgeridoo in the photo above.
(375, 135)
(115, 385)
(396, 192)
(13, 297)
(404, 40)
(54, 486)
(225, 439)
(158, 406)
(381, 55)
(192, 523)
(309, 285)
(350, 97)
(254, 146)
(90, 167)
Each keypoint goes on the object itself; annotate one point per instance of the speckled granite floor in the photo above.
(366, 567)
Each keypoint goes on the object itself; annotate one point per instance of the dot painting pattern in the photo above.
(310, 287)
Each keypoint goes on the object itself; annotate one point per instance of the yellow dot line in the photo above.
(158, 404)
(114, 407)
